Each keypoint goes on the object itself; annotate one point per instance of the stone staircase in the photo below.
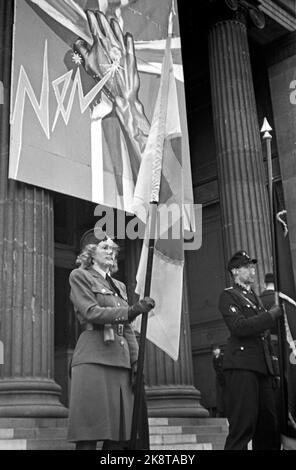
(187, 433)
(34, 434)
(165, 434)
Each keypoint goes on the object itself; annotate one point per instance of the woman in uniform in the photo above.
(105, 357)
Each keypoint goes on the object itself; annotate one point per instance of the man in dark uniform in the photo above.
(248, 368)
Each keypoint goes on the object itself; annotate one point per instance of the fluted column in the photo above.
(169, 384)
(27, 387)
(239, 156)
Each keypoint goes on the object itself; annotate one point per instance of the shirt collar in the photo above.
(245, 291)
(100, 271)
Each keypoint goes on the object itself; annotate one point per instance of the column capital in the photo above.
(243, 11)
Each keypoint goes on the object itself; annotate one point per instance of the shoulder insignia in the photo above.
(233, 308)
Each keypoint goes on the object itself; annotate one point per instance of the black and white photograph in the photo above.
(147, 228)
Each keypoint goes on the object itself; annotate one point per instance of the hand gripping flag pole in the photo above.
(266, 129)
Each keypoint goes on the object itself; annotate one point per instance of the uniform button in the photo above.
(122, 343)
(116, 295)
(118, 304)
(242, 348)
(103, 291)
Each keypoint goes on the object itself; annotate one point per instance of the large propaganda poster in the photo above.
(83, 92)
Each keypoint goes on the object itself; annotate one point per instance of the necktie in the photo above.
(115, 289)
(112, 285)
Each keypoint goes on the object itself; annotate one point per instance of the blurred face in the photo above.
(105, 254)
(245, 274)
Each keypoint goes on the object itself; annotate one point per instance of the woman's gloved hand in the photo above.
(139, 308)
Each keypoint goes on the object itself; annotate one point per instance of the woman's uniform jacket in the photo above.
(96, 305)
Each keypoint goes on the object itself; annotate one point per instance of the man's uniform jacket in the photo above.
(249, 346)
(97, 305)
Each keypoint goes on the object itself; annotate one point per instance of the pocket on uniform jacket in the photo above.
(104, 296)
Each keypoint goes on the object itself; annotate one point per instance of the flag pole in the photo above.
(152, 232)
(144, 321)
(280, 322)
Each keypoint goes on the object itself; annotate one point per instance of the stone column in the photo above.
(241, 174)
(27, 388)
(169, 384)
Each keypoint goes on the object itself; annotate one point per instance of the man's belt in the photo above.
(120, 328)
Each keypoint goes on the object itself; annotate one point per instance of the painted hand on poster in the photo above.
(113, 53)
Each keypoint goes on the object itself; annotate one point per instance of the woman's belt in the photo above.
(118, 328)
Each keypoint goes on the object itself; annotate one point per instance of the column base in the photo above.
(28, 397)
(175, 401)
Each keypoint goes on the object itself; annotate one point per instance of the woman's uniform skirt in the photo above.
(101, 403)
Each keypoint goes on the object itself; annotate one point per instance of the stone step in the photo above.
(40, 433)
(204, 446)
(212, 429)
(13, 444)
(165, 430)
(165, 433)
(172, 439)
(158, 421)
(6, 433)
(209, 429)
(33, 423)
(217, 440)
(49, 444)
(197, 422)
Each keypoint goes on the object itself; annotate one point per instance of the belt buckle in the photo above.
(120, 329)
